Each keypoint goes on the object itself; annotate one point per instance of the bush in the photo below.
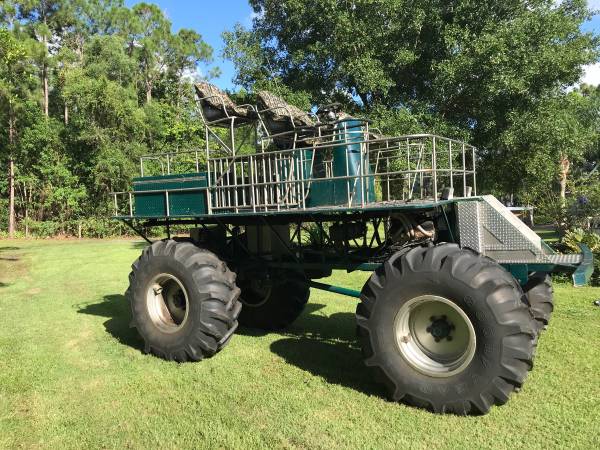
(91, 227)
(100, 227)
(46, 228)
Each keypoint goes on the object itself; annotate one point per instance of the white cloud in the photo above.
(594, 4)
(591, 74)
(193, 75)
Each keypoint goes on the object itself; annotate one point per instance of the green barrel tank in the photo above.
(346, 162)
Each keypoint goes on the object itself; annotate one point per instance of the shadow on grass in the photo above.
(325, 346)
(116, 308)
(6, 269)
(9, 258)
(9, 248)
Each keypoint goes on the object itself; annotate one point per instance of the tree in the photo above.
(14, 70)
(468, 68)
(541, 146)
(45, 20)
(93, 66)
(186, 51)
(149, 41)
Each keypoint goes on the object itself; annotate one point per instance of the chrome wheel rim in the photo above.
(435, 336)
(167, 303)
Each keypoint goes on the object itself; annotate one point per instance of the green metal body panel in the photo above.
(307, 213)
(186, 194)
(583, 273)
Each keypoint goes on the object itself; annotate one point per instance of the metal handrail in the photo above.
(413, 165)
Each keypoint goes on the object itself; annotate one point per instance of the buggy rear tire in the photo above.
(540, 295)
(274, 300)
(446, 329)
(184, 301)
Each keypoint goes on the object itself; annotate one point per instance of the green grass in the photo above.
(72, 374)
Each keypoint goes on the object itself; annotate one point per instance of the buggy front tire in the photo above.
(446, 329)
(184, 301)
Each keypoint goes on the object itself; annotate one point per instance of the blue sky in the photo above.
(210, 18)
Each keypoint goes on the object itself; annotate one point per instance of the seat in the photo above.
(280, 117)
(217, 107)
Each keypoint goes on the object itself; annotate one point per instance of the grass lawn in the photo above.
(72, 374)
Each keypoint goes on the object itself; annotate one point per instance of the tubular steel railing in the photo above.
(383, 169)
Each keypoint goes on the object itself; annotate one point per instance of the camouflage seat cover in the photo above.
(216, 104)
(278, 110)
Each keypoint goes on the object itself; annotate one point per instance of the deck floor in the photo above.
(329, 209)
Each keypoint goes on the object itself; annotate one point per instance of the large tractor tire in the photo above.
(446, 329)
(184, 301)
(540, 296)
(274, 300)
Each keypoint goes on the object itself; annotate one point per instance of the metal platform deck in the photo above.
(329, 210)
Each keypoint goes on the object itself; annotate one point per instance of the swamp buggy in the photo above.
(277, 198)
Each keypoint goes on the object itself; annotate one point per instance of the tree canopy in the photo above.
(497, 73)
(87, 86)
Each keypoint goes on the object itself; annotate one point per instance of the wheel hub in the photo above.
(257, 291)
(440, 328)
(435, 336)
(167, 303)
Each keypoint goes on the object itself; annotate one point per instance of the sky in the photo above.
(210, 18)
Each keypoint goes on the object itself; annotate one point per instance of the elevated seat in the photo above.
(281, 114)
(218, 108)
(280, 117)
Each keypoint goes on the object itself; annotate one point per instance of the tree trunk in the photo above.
(66, 114)
(11, 198)
(565, 165)
(45, 71)
(11, 174)
(26, 221)
(45, 87)
(148, 91)
(25, 200)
